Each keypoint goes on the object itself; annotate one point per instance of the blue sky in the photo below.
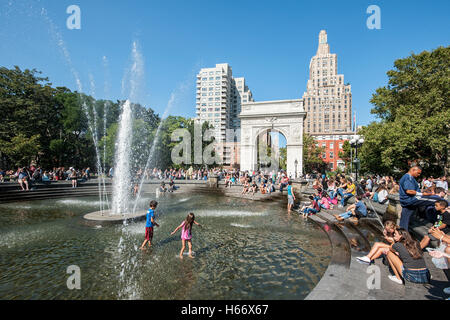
(268, 42)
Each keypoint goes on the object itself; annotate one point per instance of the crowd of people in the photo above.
(27, 176)
(400, 251)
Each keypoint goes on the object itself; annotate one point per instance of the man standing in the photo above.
(410, 196)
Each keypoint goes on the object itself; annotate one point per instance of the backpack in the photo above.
(375, 197)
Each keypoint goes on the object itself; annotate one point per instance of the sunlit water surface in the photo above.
(246, 250)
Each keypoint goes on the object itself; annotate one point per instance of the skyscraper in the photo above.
(219, 100)
(328, 103)
(328, 100)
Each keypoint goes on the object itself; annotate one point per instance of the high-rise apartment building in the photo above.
(219, 99)
(328, 102)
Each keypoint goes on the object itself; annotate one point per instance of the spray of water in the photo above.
(105, 114)
(122, 175)
(99, 166)
(92, 121)
(122, 178)
(172, 101)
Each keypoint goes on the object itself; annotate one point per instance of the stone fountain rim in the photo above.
(105, 216)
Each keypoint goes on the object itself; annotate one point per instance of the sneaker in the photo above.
(364, 259)
(395, 279)
(447, 290)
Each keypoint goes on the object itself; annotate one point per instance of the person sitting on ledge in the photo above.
(313, 208)
(349, 193)
(162, 187)
(46, 178)
(23, 179)
(380, 248)
(263, 187)
(406, 259)
(270, 188)
(284, 182)
(442, 222)
(246, 187)
(325, 201)
(355, 211)
(430, 212)
(332, 189)
(381, 195)
(410, 196)
(254, 187)
(394, 189)
(172, 186)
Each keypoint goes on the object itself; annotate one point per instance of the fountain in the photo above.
(122, 180)
(120, 210)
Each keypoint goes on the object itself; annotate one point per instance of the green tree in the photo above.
(29, 110)
(312, 155)
(415, 116)
(21, 150)
(283, 158)
(346, 155)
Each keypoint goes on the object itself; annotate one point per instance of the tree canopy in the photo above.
(414, 117)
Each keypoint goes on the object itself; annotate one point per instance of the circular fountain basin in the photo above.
(244, 250)
(107, 216)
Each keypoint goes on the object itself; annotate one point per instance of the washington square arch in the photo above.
(283, 116)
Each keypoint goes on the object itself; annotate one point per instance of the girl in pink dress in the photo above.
(186, 233)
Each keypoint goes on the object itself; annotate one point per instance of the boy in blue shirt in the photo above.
(149, 225)
(357, 211)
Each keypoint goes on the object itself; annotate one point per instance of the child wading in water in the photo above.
(186, 233)
(149, 225)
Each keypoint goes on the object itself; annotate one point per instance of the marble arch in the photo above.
(285, 116)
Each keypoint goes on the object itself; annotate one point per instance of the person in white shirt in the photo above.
(427, 183)
(369, 184)
(442, 183)
(382, 195)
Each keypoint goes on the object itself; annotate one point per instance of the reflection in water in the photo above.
(247, 250)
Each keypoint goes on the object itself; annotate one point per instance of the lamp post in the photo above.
(356, 142)
(296, 164)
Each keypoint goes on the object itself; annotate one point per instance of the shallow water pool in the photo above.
(246, 250)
